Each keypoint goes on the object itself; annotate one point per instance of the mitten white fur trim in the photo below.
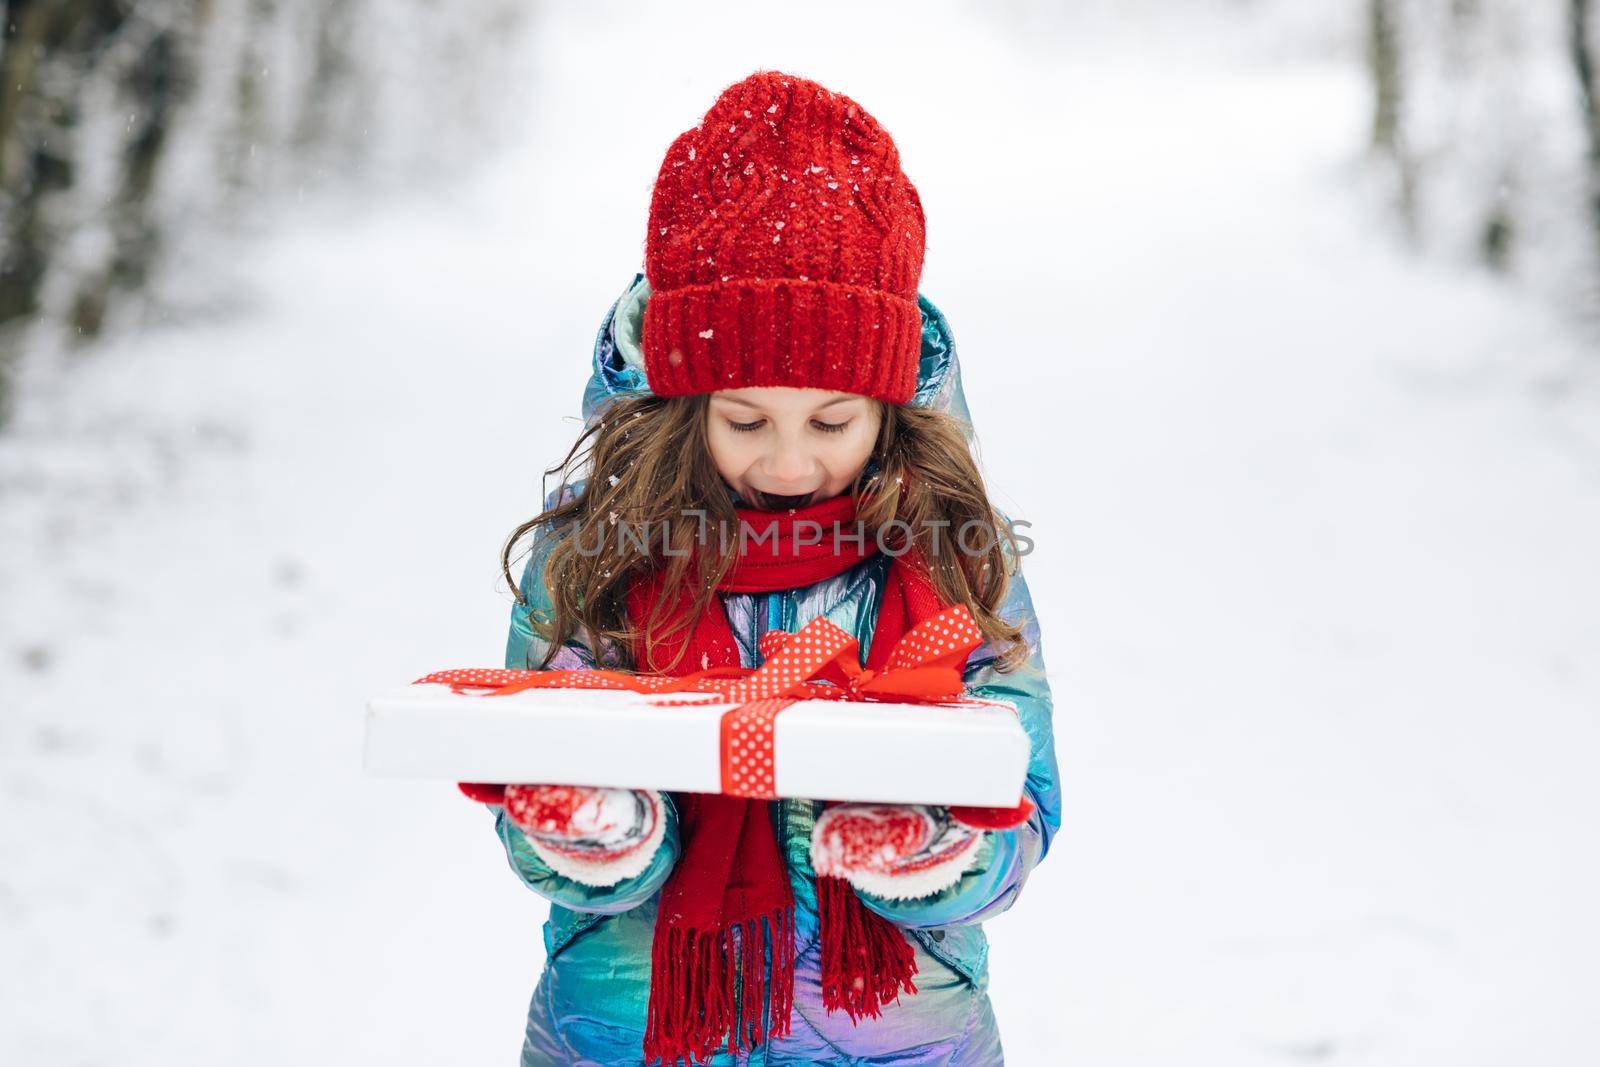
(601, 873)
(923, 883)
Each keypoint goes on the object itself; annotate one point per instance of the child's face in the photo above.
(782, 447)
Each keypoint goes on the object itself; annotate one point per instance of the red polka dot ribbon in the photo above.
(820, 661)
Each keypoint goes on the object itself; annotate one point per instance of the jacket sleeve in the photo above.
(524, 649)
(1006, 857)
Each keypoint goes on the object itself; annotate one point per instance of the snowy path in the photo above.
(1314, 560)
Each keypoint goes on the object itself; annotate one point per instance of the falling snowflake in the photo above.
(707, 333)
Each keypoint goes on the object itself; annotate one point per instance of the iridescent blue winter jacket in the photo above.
(589, 1005)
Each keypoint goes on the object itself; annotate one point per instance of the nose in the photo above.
(789, 463)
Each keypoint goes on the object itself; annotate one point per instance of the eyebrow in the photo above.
(839, 399)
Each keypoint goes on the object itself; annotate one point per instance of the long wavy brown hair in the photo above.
(650, 471)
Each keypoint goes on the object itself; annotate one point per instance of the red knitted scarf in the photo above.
(727, 912)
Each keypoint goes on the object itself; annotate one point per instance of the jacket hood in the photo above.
(618, 368)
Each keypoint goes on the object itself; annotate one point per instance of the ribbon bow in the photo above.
(819, 661)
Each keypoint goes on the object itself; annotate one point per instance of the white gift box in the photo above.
(974, 751)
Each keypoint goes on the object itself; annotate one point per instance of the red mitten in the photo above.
(483, 792)
(590, 834)
(896, 851)
(993, 818)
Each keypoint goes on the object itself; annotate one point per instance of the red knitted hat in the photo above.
(784, 248)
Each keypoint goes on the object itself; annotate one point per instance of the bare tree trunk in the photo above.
(1384, 61)
(43, 47)
(154, 81)
(1580, 24)
(1384, 48)
(1499, 231)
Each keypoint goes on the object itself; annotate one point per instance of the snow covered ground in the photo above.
(1315, 530)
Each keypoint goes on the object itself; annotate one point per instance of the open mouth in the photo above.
(775, 502)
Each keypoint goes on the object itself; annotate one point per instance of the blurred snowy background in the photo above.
(1278, 322)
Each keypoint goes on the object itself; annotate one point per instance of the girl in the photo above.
(773, 370)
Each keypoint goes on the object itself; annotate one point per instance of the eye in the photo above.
(832, 427)
(745, 427)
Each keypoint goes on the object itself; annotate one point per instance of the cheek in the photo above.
(846, 458)
(730, 454)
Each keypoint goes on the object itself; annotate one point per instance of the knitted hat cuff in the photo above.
(782, 331)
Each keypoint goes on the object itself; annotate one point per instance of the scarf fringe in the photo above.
(692, 1002)
(865, 958)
